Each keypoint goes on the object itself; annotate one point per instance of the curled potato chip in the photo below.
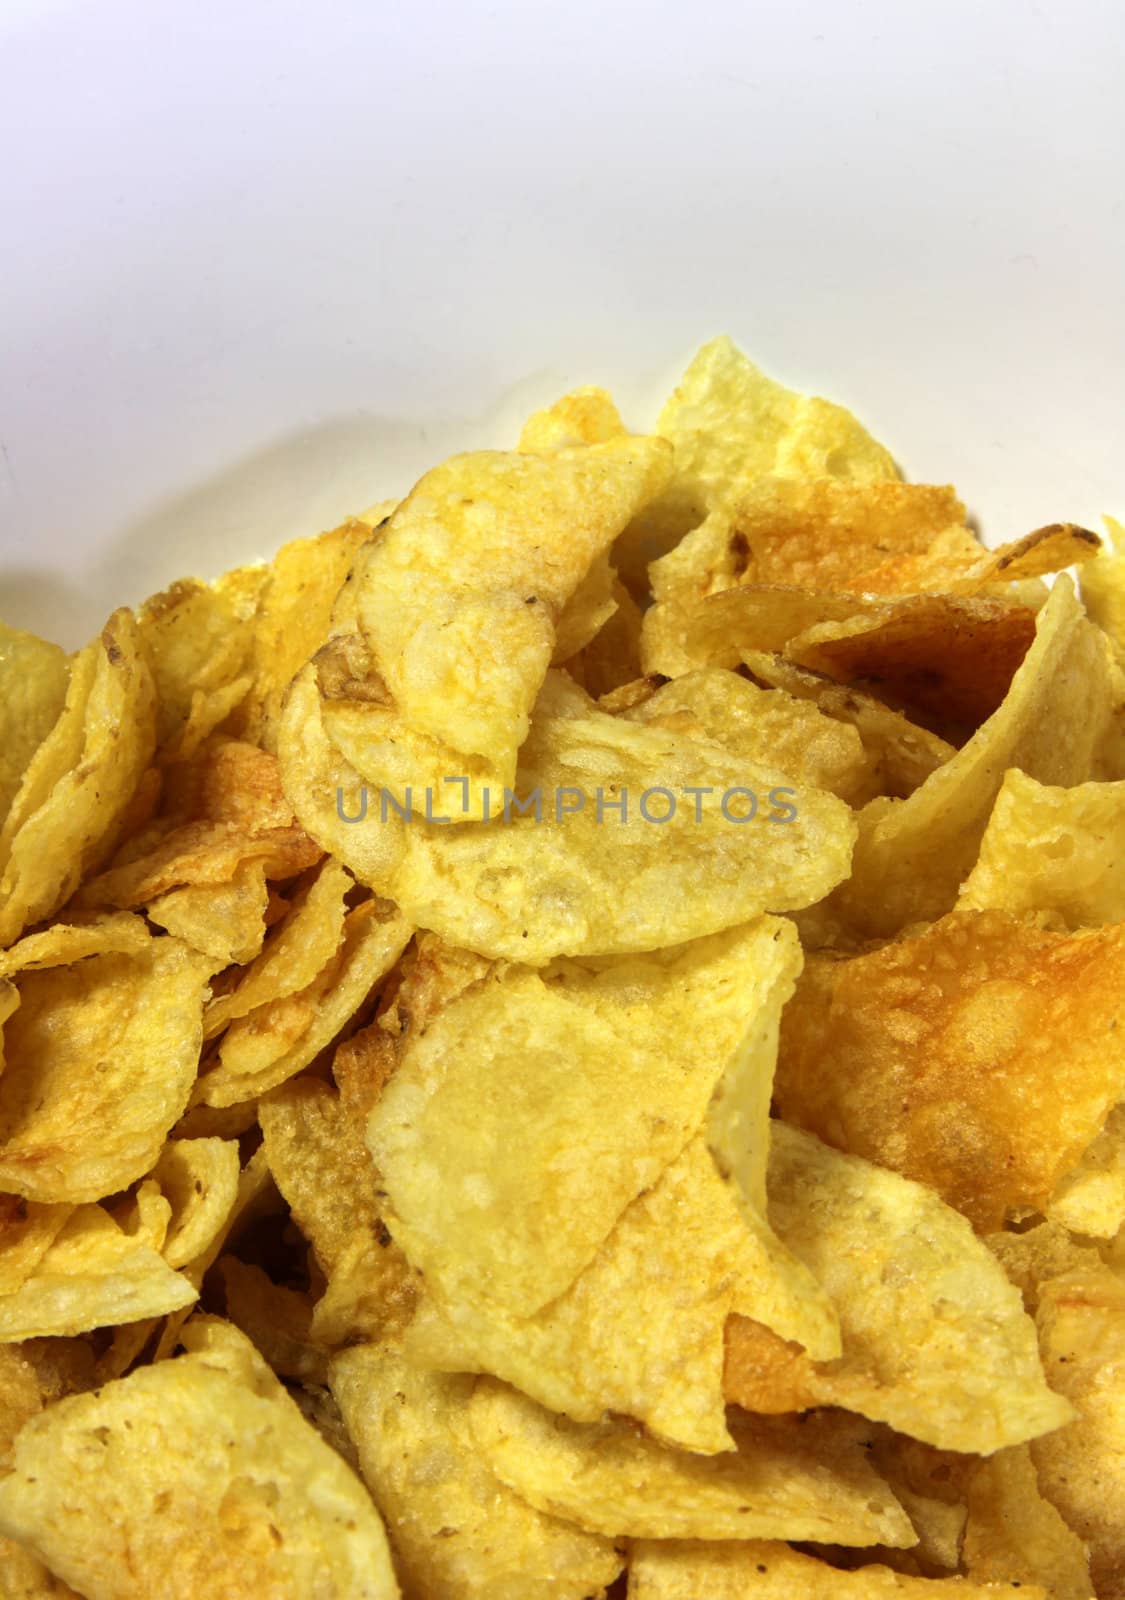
(912, 855)
(590, 868)
(92, 1275)
(223, 920)
(491, 1199)
(980, 1056)
(33, 680)
(27, 1231)
(730, 425)
(640, 1331)
(298, 950)
(1014, 1536)
(138, 1020)
(279, 1039)
(78, 785)
(198, 641)
(1052, 849)
(935, 1340)
(688, 1570)
(1082, 1336)
(767, 728)
(785, 1479)
(116, 932)
(457, 1530)
(460, 597)
(1044, 550)
(1102, 582)
(250, 1499)
(586, 612)
(584, 416)
(199, 1179)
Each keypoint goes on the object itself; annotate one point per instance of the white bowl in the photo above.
(265, 262)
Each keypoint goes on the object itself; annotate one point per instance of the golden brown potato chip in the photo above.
(490, 1198)
(1082, 1336)
(767, 727)
(935, 1339)
(248, 1499)
(33, 680)
(92, 1275)
(62, 943)
(137, 1020)
(731, 425)
(24, 1577)
(943, 657)
(460, 597)
(297, 951)
(1052, 849)
(276, 1320)
(77, 786)
(979, 1057)
(457, 1531)
(870, 537)
(640, 838)
(785, 1479)
(223, 920)
(27, 1231)
(640, 1331)
(1045, 550)
(1014, 1536)
(679, 636)
(279, 1039)
(912, 855)
(769, 1571)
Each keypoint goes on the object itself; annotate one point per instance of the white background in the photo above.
(262, 262)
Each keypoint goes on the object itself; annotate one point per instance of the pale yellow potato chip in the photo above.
(1102, 583)
(766, 727)
(294, 617)
(457, 1531)
(78, 785)
(870, 537)
(935, 1339)
(199, 1179)
(198, 644)
(1014, 1536)
(460, 597)
(913, 855)
(64, 942)
(785, 1479)
(1082, 1467)
(730, 425)
(92, 1275)
(248, 1499)
(981, 1056)
(1091, 1198)
(1044, 550)
(592, 867)
(680, 635)
(27, 1230)
(692, 1570)
(33, 680)
(138, 1020)
(586, 612)
(492, 1199)
(1052, 849)
(223, 920)
(297, 951)
(640, 1331)
(584, 416)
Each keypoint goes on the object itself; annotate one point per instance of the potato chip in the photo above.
(457, 1530)
(27, 1231)
(91, 1276)
(76, 789)
(769, 1571)
(730, 425)
(62, 943)
(640, 1331)
(144, 1214)
(590, 868)
(1045, 550)
(198, 646)
(913, 855)
(24, 1577)
(223, 920)
(871, 537)
(199, 1178)
(613, 655)
(935, 1340)
(1102, 583)
(584, 416)
(940, 656)
(460, 598)
(1091, 1198)
(785, 1479)
(678, 636)
(137, 1021)
(586, 612)
(1082, 1335)
(275, 1319)
(1036, 1254)
(249, 1500)
(278, 1040)
(979, 1057)
(298, 950)
(491, 1199)
(766, 727)
(1014, 1536)
(33, 680)
(1052, 849)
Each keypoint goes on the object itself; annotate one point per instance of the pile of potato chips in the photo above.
(521, 1199)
